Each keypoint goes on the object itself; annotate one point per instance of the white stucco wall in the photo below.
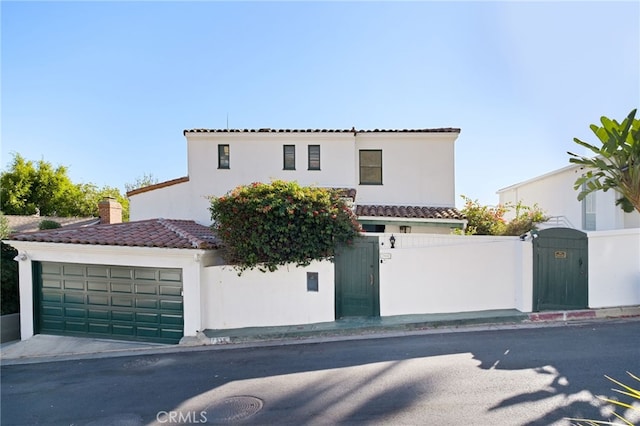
(614, 268)
(169, 202)
(440, 274)
(190, 261)
(554, 194)
(418, 169)
(266, 299)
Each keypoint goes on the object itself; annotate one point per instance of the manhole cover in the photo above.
(233, 409)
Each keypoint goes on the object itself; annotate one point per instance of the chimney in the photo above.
(110, 211)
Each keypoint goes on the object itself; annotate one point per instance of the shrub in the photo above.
(9, 279)
(49, 224)
(267, 225)
(485, 220)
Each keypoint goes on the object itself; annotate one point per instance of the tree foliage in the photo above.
(616, 164)
(29, 187)
(146, 179)
(268, 225)
(487, 220)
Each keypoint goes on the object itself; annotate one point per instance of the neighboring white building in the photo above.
(553, 192)
(400, 180)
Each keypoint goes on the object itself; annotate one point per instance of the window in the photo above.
(223, 156)
(589, 211)
(314, 157)
(289, 157)
(367, 227)
(370, 167)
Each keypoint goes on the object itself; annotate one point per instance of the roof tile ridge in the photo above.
(192, 239)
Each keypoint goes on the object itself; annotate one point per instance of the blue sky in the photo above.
(106, 88)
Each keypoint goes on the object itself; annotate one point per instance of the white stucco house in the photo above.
(554, 193)
(399, 180)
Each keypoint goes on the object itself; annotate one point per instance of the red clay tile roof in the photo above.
(19, 223)
(409, 212)
(165, 233)
(158, 185)
(352, 130)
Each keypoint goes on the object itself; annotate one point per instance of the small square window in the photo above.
(223, 156)
(314, 157)
(312, 281)
(289, 157)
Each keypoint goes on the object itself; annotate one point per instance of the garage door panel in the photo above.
(52, 297)
(110, 301)
(98, 272)
(171, 305)
(98, 314)
(171, 276)
(123, 330)
(97, 286)
(53, 324)
(78, 327)
(99, 328)
(148, 332)
(147, 318)
(125, 316)
(73, 285)
(97, 299)
(167, 319)
(75, 312)
(147, 303)
(120, 288)
(49, 283)
(126, 302)
(74, 298)
(116, 272)
(55, 311)
(73, 270)
(146, 289)
(144, 274)
(52, 268)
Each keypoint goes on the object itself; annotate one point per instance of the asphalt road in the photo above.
(528, 376)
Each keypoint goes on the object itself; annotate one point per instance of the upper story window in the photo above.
(223, 156)
(589, 211)
(370, 167)
(289, 157)
(314, 157)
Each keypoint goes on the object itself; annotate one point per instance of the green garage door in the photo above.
(117, 302)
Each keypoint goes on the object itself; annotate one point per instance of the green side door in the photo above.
(560, 279)
(357, 279)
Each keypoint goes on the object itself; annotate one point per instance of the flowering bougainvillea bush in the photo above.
(266, 225)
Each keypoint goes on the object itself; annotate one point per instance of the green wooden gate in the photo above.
(560, 280)
(357, 279)
(118, 302)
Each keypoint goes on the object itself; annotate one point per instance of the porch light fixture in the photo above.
(392, 240)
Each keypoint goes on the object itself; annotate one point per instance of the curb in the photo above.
(586, 314)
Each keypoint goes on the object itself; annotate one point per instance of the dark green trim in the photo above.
(409, 223)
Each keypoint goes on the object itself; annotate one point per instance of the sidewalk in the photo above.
(48, 348)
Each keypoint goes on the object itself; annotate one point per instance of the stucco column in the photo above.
(25, 276)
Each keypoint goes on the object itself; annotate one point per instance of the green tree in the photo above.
(268, 225)
(141, 182)
(9, 295)
(616, 164)
(28, 187)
